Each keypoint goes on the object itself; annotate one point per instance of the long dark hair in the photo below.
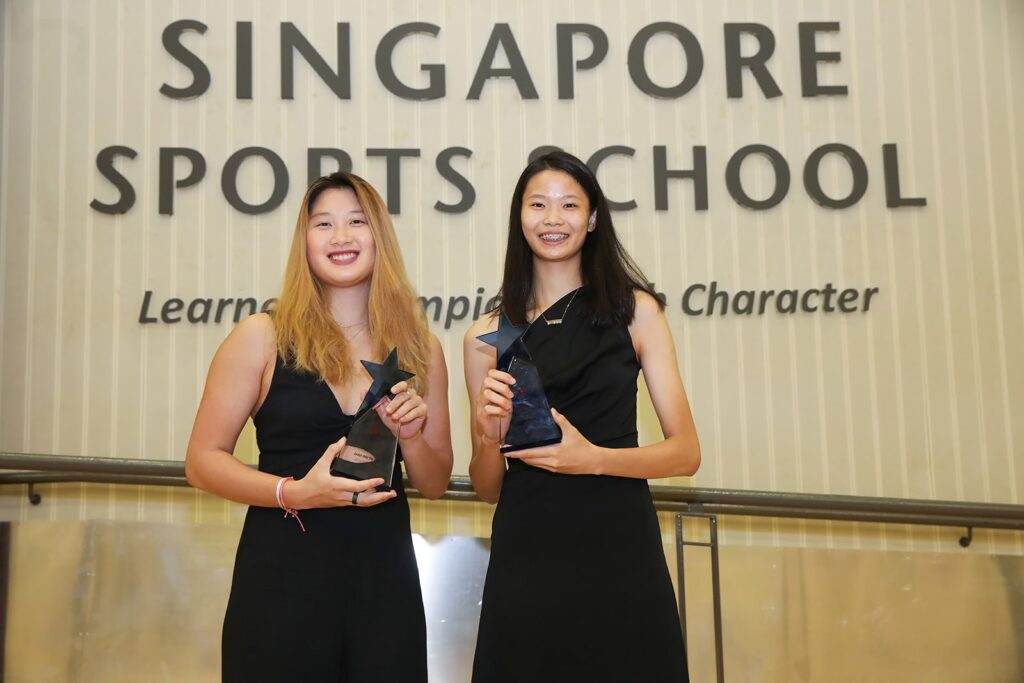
(608, 272)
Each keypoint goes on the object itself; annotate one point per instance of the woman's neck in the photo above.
(552, 281)
(349, 306)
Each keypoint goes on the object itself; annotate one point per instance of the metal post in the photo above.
(716, 589)
(681, 573)
(716, 597)
(5, 580)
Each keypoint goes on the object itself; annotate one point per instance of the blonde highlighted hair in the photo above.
(308, 337)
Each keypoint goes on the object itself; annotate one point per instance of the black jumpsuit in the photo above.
(340, 602)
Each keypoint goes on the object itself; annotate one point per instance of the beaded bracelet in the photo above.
(279, 495)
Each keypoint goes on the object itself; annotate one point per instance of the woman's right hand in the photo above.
(321, 489)
(494, 404)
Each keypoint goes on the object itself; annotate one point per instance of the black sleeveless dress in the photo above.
(577, 588)
(340, 602)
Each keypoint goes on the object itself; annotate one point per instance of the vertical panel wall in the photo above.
(886, 359)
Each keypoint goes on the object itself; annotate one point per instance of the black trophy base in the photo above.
(513, 447)
(531, 425)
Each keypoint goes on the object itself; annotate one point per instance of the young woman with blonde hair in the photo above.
(325, 585)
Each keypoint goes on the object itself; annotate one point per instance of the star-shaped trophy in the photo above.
(371, 448)
(531, 424)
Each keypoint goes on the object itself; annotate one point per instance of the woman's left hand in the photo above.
(573, 455)
(405, 413)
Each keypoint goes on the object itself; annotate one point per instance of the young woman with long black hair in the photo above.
(577, 588)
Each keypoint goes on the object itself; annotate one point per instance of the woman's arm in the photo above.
(677, 455)
(428, 450)
(234, 386)
(490, 399)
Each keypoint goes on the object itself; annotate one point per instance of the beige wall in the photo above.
(920, 396)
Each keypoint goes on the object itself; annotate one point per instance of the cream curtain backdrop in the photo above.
(920, 395)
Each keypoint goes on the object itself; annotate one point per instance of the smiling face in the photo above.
(556, 216)
(339, 243)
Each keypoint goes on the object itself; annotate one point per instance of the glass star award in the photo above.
(530, 424)
(371, 447)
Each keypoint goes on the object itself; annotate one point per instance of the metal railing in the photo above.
(702, 503)
(31, 469)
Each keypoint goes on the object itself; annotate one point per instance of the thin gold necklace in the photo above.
(558, 321)
(356, 335)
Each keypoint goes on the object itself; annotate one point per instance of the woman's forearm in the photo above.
(487, 468)
(676, 456)
(220, 473)
(429, 468)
